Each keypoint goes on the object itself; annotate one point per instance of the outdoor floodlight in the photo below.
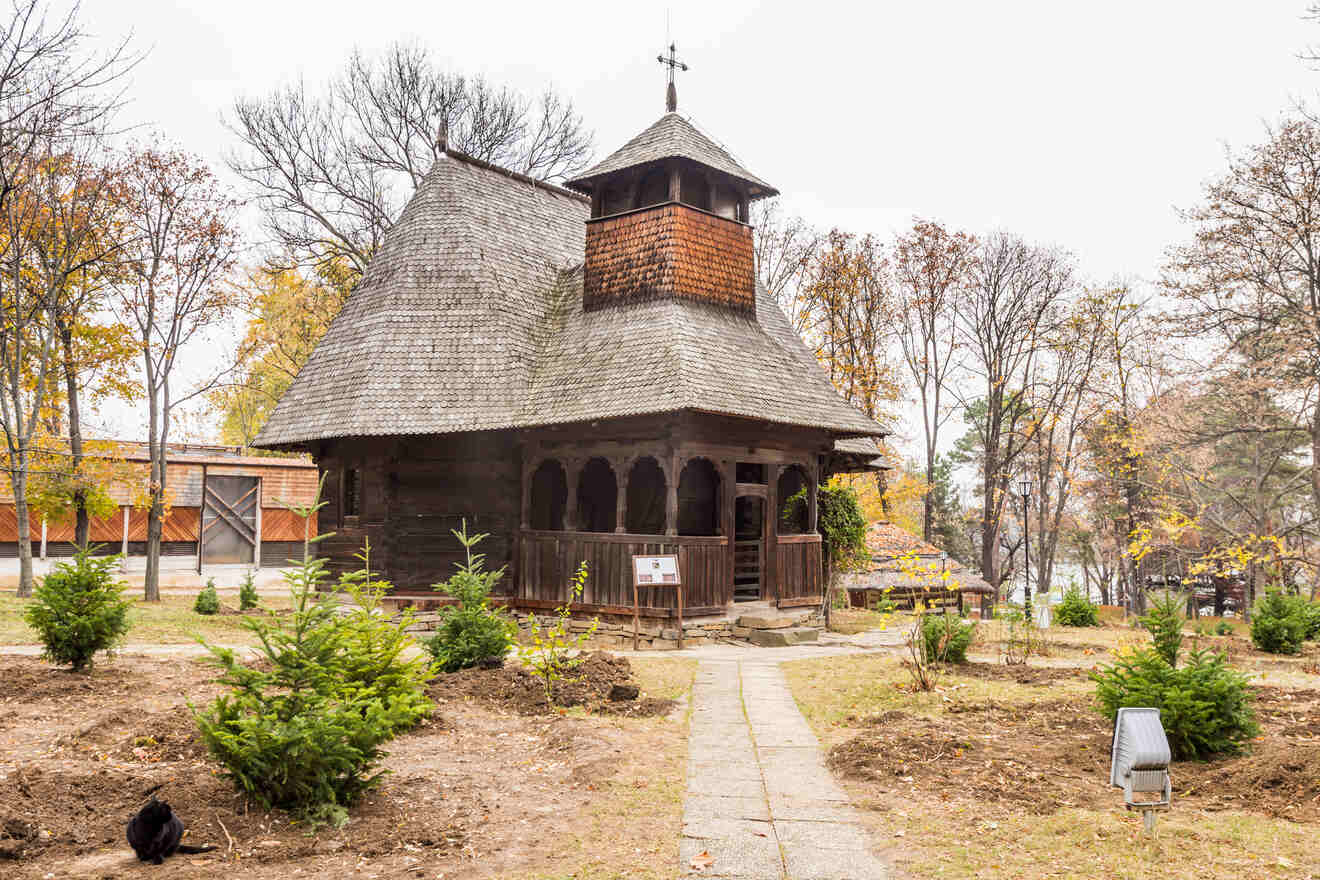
(1140, 758)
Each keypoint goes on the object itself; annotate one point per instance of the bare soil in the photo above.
(486, 787)
(1049, 754)
(514, 689)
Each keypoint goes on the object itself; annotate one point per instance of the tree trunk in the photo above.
(82, 523)
(928, 503)
(155, 514)
(19, 482)
(151, 578)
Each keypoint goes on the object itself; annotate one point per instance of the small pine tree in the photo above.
(473, 631)
(79, 610)
(1164, 618)
(1076, 609)
(304, 730)
(247, 592)
(208, 602)
(1279, 623)
(1205, 706)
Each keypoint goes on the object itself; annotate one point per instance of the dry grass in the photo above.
(850, 621)
(940, 825)
(171, 621)
(633, 826)
(830, 691)
(957, 842)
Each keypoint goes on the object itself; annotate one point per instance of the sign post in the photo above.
(656, 571)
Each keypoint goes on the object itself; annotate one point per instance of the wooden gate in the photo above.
(229, 519)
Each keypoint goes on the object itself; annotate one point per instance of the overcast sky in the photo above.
(1083, 125)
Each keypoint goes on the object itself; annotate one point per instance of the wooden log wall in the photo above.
(414, 491)
(550, 559)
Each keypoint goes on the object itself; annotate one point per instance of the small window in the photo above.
(749, 472)
(352, 492)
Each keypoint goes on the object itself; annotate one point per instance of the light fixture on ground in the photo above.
(1139, 762)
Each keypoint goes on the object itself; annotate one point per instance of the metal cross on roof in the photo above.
(671, 95)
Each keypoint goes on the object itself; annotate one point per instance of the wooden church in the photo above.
(585, 373)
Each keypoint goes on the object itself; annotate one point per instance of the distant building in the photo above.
(887, 544)
(230, 505)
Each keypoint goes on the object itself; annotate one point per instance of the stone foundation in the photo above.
(616, 634)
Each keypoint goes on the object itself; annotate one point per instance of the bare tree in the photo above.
(332, 169)
(179, 250)
(1065, 405)
(932, 268)
(849, 316)
(1251, 275)
(1003, 322)
(77, 197)
(52, 93)
(784, 246)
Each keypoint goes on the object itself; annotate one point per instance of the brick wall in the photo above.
(669, 251)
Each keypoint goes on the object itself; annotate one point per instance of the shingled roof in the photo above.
(671, 137)
(470, 318)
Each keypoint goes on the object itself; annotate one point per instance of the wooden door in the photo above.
(229, 519)
(749, 548)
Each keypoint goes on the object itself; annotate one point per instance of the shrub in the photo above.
(840, 521)
(945, 638)
(1076, 609)
(549, 651)
(472, 631)
(1203, 705)
(1223, 628)
(1164, 618)
(79, 610)
(207, 600)
(1310, 612)
(303, 728)
(884, 605)
(247, 592)
(1279, 623)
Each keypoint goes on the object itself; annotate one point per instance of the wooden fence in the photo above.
(548, 560)
(798, 570)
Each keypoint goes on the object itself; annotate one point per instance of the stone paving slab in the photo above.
(760, 800)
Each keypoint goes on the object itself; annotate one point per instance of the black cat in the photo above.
(155, 832)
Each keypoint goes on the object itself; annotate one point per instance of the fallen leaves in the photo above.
(702, 860)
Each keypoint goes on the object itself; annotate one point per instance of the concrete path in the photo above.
(760, 802)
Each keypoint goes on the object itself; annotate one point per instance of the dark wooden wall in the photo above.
(415, 490)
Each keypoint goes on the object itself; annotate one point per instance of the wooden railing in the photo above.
(798, 570)
(547, 561)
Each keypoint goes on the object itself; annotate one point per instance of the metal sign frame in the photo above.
(676, 583)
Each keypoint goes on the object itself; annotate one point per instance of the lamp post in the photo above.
(1024, 488)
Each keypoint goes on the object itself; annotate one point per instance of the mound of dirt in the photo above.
(25, 680)
(163, 736)
(75, 812)
(517, 690)
(1019, 674)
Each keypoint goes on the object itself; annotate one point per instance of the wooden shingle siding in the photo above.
(669, 251)
(670, 137)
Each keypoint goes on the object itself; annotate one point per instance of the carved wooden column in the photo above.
(813, 490)
(675, 185)
(621, 505)
(769, 569)
(572, 476)
(728, 518)
(526, 517)
(671, 495)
